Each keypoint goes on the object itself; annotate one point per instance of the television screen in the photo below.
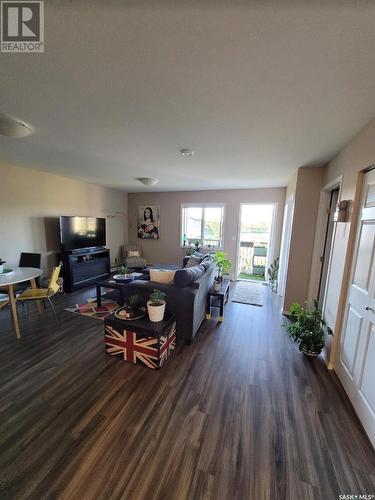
(82, 232)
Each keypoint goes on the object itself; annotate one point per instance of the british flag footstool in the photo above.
(140, 341)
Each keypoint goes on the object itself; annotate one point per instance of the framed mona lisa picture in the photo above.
(149, 222)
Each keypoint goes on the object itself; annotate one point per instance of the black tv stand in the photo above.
(84, 267)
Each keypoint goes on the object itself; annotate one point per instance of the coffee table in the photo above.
(117, 285)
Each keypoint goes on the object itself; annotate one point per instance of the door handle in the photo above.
(370, 309)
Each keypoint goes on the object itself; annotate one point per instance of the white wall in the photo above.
(31, 201)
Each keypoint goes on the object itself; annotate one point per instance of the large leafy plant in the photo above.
(273, 272)
(223, 264)
(307, 327)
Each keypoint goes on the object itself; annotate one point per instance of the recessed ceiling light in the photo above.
(10, 126)
(148, 181)
(187, 152)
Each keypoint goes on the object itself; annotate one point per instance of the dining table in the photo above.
(15, 276)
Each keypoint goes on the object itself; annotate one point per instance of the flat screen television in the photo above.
(82, 232)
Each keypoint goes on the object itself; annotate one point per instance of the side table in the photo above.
(218, 299)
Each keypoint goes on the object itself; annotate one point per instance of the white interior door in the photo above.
(356, 363)
(285, 245)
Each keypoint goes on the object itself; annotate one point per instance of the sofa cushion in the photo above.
(162, 275)
(187, 276)
(206, 263)
(194, 260)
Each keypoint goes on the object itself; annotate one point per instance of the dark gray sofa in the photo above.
(186, 296)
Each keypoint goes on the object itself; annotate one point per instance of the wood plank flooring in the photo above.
(239, 414)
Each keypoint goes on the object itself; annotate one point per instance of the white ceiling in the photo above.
(256, 89)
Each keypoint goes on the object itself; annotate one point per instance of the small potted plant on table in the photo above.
(156, 305)
(124, 275)
(132, 310)
(307, 329)
(223, 265)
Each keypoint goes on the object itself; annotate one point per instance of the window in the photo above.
(203, 223)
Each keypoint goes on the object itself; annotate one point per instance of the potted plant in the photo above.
(223, 265)
(273, 272)
(2, 262)
(124, 274)
(132, 309)
(156, 305)
(194, 247)
(135, 302)
(307, 328)
(197, 246)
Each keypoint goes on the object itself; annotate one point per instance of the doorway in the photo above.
(255, 242)
(285, 245)
(355, 364)
(328, 241)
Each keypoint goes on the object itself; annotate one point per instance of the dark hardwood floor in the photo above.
(239, 414)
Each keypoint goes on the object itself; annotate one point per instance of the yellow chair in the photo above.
(3, 302)
(43, 293)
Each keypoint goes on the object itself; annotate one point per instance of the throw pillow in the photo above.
(162, 276)
(133, 253)
(193, 261)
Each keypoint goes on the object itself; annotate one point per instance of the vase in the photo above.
(155, 312)
(311, 350)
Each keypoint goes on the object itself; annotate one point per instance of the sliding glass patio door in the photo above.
(255, 245)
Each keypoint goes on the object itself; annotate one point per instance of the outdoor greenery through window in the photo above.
(202, 223)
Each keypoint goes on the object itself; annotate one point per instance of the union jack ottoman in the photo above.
(140, 341)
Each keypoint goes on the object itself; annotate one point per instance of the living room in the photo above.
(174, 196)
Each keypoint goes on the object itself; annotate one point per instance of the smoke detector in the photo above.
(187, 153)
(10, 126)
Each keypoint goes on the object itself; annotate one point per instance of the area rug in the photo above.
(91, 309)
(247, 292)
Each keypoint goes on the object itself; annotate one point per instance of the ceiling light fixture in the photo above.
(148, 181)
(10, 126)
(187, 153)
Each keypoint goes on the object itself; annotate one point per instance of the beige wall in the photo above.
(306, 186)
(167, 248)
(31, 201)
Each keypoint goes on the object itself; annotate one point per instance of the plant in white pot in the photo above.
(2, 262)
(156, 305)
